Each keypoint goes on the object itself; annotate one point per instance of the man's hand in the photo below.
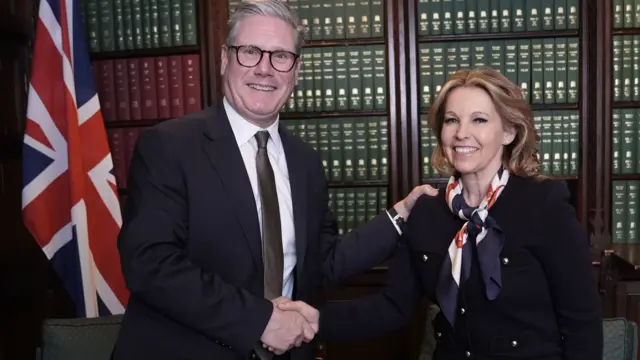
(310, 314)
(286, 329)
(404, 206)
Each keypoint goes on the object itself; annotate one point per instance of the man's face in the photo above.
(258, 93)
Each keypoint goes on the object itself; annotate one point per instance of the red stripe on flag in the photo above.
(34, 130)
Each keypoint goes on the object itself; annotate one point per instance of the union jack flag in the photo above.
(69, 194)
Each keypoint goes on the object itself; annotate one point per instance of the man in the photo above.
(228, 215)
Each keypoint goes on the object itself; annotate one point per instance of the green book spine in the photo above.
(107, 25)
(518, 11)
(341, 210)
(511, 60)
(548, 54)
(573, 17)
(316, 20)
(484, 16)
(306, 76)
(451, 58)
(348, 148)
(366, 59)
(494, 6)
(524, 68)
(361, 207)
(632, 211)
(292, 126)
(373, 147)
(164, 21)
(425, 147)
(617, 68)
(328, 79)
(312, 132)
(560, 14)
(497, 55)
(382, 199)
(566, 142)
(547, 141)
(573, 70)
(383, 143)
(537, 70)
(155, 23)
(336, 145)
(351, 14)
(361, 171)
(342, 79)
(505, 15)
(534, 8)
(548, 20)
(176, 23)
(324, 145)
(447, 17)
(302, 129)
(140, 41)
(637, 141)
(121, 43)
(472, 16)
(628, 19)
(318, 81)
(556, 144)
(464, 55)
(433, 143)
(332, 200)
(129, 24)
(290, 106)
(439, 70)
(93, 24)
(424, 13)
(372, 203)
(377, 16)
(425, 74)
(627, 67)
(306, 17)
(575, 142)
(355, 78)
(618, 14)
(636, 13)
(364, 18)
(380, 77)
(636, 67)
(561, 70)
(436, 17)
(616, 133)
(619, 212)
(460, 12)
(628, 144)
(478, 54)
(327, 20)
(189, 22)
(338, 19)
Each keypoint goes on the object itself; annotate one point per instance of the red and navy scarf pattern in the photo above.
(479, 231)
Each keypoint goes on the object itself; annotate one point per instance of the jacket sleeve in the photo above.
(357, 251)
(155, 261)
(565, 257)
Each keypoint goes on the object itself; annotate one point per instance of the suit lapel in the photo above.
(223, 151)
(298, 181)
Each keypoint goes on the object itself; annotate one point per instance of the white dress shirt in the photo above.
(244, 132)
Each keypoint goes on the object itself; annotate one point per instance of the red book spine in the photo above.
(191, 73)
(118, 155)
(175, 86)
(162, 82)
(149, 96)
(122, 89)
(130, 138)
(107, 86)
(135, 93)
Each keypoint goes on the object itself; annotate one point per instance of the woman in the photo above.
(504, 233)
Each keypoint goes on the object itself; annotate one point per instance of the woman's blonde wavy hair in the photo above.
(520, 157)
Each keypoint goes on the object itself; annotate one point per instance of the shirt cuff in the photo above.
(394, 223)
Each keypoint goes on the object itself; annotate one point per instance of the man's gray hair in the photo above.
(274, 8)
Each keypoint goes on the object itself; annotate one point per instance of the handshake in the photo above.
(291, 324)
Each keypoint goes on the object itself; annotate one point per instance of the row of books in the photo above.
(148, 88)
(341, 78)
(625, 132)
(624, 211)
(558, 148)
(352, 149)
(626, 67)
(353, 207)
(626, 14)
(113, 25)
(547, 69)
(337, 19)
(445, 17)
(122, 142)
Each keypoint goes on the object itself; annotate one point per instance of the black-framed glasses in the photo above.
(250, 56)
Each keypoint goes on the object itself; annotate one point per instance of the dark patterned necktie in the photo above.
(272, 256)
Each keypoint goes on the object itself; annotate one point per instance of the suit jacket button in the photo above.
(425, 258)
(468, 353)
(462, 311)
(439, 334)
(505, 261)
(514, 343)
